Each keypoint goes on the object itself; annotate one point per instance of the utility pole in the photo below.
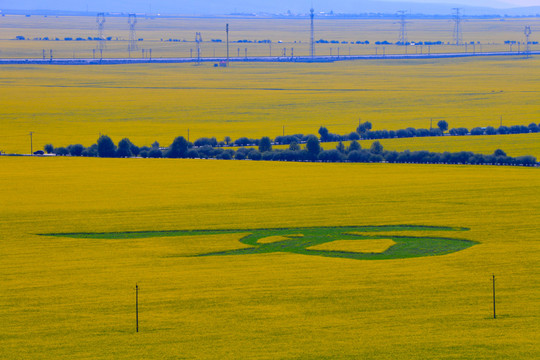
(137, 307)
(494, 313)
(31, 143)
(198, 40)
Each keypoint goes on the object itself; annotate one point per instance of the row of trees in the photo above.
(181, 148)
(363, 131)
(126, 149)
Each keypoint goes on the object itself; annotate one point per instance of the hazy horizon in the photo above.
(282, 6)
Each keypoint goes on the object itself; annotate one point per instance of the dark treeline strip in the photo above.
(181, 148)
(363, 131)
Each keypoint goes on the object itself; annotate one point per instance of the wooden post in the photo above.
(494, 313)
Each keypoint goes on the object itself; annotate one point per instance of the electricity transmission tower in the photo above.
(198, 40)
(527, 33)
(132, 45)
(312, 43)
(402, 28)
(458, 35)
(100, 19)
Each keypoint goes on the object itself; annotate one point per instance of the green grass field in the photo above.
(308, 241)
(66, 297)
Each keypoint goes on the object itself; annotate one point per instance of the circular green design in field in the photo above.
(306, 240)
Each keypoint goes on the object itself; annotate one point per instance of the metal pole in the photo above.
(494, 313)
(227, 30)
(31, 144)
(312, 39)
(137, 306)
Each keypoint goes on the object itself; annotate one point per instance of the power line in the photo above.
(527, 33)
(458, 35)
(100, 20)
(132, 45)
(198, 40)
(402, 28)
(312, 43)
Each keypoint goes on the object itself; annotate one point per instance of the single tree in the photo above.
(134, 149)
(363, 128)
(376, 148)
(178, 148)
(340, 147)
(443, 125)
(312, 145)
(294, 146)
(76, 150)
(354, 146)
(106, 147)
(49, 148)
(124, 148)
(499, 152)
(227, 140)
(265, 144)
(324, 133)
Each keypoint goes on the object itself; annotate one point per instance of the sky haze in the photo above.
(245, 6)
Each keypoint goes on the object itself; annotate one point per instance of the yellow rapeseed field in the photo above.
(65, 298)
(513, 145)
(366, 246)
(65, 105)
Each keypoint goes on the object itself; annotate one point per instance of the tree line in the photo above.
(181, 148)
(364, 132)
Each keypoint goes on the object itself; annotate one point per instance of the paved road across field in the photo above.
(303, 59)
